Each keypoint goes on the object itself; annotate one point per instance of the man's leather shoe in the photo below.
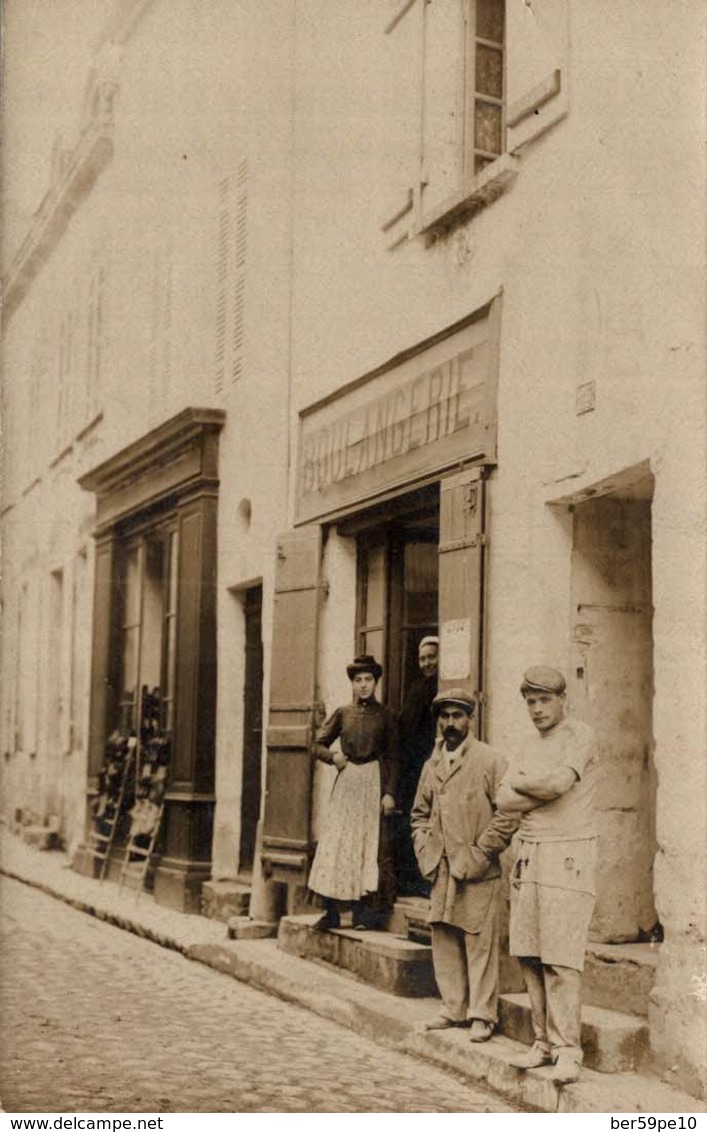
(442, 1023)
(567, 1069)
(480, 1031)
(533, 1058)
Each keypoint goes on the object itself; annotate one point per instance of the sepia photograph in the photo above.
(353, 561)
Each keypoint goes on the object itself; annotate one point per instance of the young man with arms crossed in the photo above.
(552, 787)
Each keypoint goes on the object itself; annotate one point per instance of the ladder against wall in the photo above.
(138, 857)
(148, 808)
(108, 808)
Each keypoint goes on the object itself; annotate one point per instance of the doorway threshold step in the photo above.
(409, 918)
(380, 959)
(613, 1042)
(620, 976)
(223, 899)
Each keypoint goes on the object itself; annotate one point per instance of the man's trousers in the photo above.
(466, 969)
(555, 1006)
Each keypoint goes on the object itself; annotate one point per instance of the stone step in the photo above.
(617, 976)
(224, 899)
(409, 918)
(380, 959)
(620, 976)
(613, 1042)
(40, 837)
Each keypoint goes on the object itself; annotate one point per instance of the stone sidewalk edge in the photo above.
(484, 1065)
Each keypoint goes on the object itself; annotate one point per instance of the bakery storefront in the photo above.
(393, 481)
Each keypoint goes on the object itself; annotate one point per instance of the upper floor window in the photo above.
(484, 31)
(476, 80)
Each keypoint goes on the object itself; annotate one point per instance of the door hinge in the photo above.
(461, 543)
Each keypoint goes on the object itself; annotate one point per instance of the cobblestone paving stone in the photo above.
(96, 1020)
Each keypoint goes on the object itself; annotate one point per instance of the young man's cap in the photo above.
(540, 678)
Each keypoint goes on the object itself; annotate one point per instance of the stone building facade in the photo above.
(330, 325)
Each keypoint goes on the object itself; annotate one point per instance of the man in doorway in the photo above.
(458, 836)
(552, 890)
(417, 736)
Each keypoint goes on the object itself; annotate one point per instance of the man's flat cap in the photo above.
(457, 696)
(543, 679)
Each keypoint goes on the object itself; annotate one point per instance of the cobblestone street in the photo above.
(96, 1019)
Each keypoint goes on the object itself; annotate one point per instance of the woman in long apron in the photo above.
(345, 870)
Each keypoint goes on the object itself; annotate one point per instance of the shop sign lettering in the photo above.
(423, 417)
(424, 410)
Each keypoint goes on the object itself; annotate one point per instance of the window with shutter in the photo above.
(537, 95)
(490, 77)
(231, 248)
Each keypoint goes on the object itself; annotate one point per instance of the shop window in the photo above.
(153, 662)
(147, 597)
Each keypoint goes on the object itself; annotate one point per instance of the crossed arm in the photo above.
(521, 792)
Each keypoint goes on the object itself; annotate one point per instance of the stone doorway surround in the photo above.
(610, 686)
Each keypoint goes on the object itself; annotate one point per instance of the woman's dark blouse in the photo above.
(366, 732)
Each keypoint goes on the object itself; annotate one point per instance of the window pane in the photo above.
(489, 71)
(153, 614)
(173, 574)
(489, 19)
(375, 586)
(131, 609)
(171, 668)
(129, 678)
(487, 127)
(420, 584)
(171, 632)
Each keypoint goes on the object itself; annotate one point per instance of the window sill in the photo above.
(481, 190)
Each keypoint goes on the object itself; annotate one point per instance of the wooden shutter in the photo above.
(536, 68)
(293, 709)
(462, 551)
(442, 97)
(404, 47)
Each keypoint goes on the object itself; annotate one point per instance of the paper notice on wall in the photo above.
(455, 649)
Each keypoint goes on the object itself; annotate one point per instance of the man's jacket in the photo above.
(457, 829)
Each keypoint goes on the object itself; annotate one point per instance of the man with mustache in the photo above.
(459, 835)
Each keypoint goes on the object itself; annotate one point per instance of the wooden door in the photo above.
(252, 725)
(293, 709)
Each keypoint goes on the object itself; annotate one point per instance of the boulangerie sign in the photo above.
(426, 410)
